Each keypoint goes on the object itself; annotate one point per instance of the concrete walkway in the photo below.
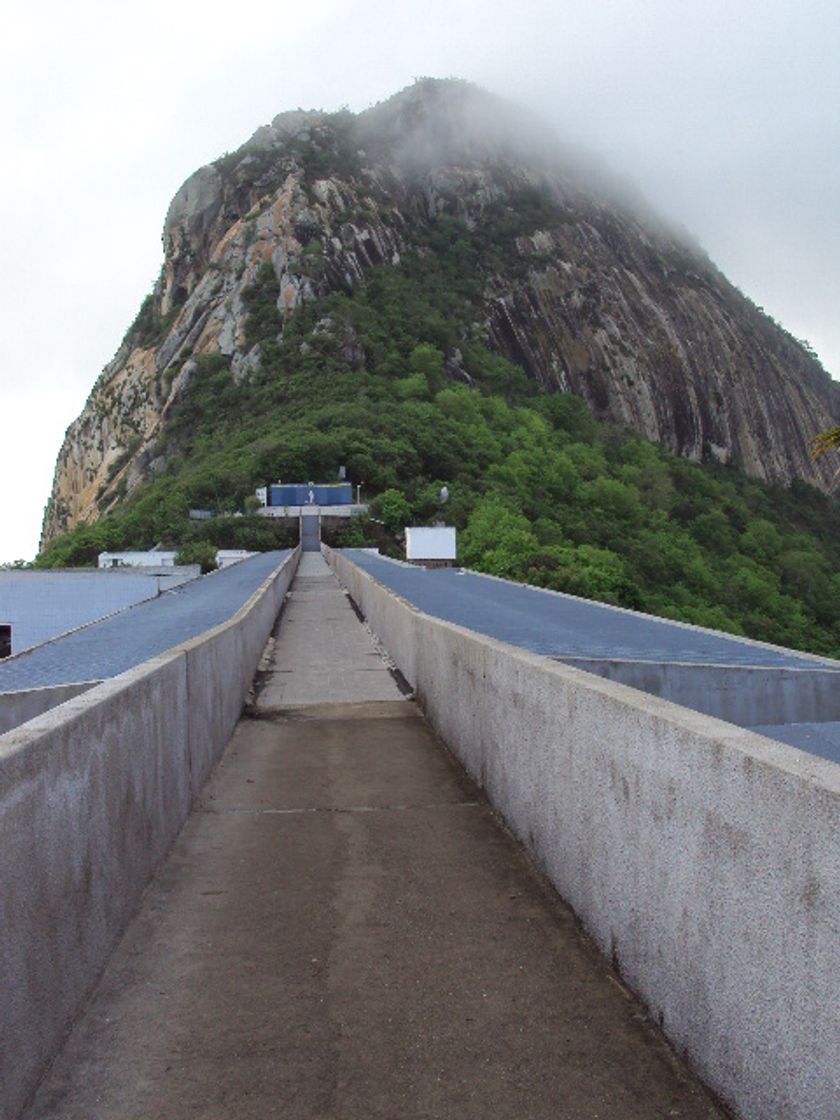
(323, 652)
(343, 931)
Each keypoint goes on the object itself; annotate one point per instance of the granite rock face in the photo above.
(603, 301)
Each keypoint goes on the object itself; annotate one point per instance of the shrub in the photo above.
(198, 552)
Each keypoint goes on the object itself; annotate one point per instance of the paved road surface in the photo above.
(118, 643)
(344, 932)
(558, 625)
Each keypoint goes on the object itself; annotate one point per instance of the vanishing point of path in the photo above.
(343, 931)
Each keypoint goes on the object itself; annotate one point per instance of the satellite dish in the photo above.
(444, 494)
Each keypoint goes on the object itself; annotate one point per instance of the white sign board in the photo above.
(429, 543)
(149, 559)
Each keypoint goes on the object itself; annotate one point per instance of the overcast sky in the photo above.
(725, 115)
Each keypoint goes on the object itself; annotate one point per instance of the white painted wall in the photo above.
(137, 559)
(424, 542)
(227, 556)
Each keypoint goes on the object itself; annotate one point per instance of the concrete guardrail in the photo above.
(703, 859)
(92, 795)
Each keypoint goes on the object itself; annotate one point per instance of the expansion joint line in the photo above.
(244, 809)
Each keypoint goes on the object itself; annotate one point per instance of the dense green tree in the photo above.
(497, 536)
(394, 509)
(198, 552)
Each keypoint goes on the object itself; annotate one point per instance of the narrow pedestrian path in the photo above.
(323, 653)
(344, 932)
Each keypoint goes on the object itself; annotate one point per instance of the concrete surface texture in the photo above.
(118, 643)
(92, 794)
(702, 858)
(310, 532)
(322, 649)
(344, 930)
(90, 801)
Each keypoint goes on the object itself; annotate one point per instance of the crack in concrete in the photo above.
(211, 810)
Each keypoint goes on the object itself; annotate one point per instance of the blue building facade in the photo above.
(306, 494)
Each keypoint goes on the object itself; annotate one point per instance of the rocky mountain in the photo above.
(558, 274)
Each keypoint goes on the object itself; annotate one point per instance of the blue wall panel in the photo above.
(302, 494)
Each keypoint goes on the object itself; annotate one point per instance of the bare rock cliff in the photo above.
(596, 298)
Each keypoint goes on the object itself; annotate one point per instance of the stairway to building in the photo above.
(344, 930)
(310, 533)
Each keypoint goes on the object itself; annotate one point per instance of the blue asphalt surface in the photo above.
(115, 644)
(822, 739)
(560, 626)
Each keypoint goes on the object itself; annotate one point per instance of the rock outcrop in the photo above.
(597, 298)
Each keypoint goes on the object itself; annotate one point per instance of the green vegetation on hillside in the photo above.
(160, 515)
(539, 491)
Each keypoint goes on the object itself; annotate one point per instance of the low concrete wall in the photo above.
(18, 707)
(746, 695)
(703, 859)
(230, 654)
(92, 794)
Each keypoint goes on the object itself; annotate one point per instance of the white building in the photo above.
(154, 558)
(227, 556)
(433, 545)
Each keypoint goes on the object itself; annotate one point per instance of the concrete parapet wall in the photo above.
(220, 669)
(703, 859)
(20, 706)
(746, 695)
(92, 794)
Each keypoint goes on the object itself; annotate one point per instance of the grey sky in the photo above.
(725, 115)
